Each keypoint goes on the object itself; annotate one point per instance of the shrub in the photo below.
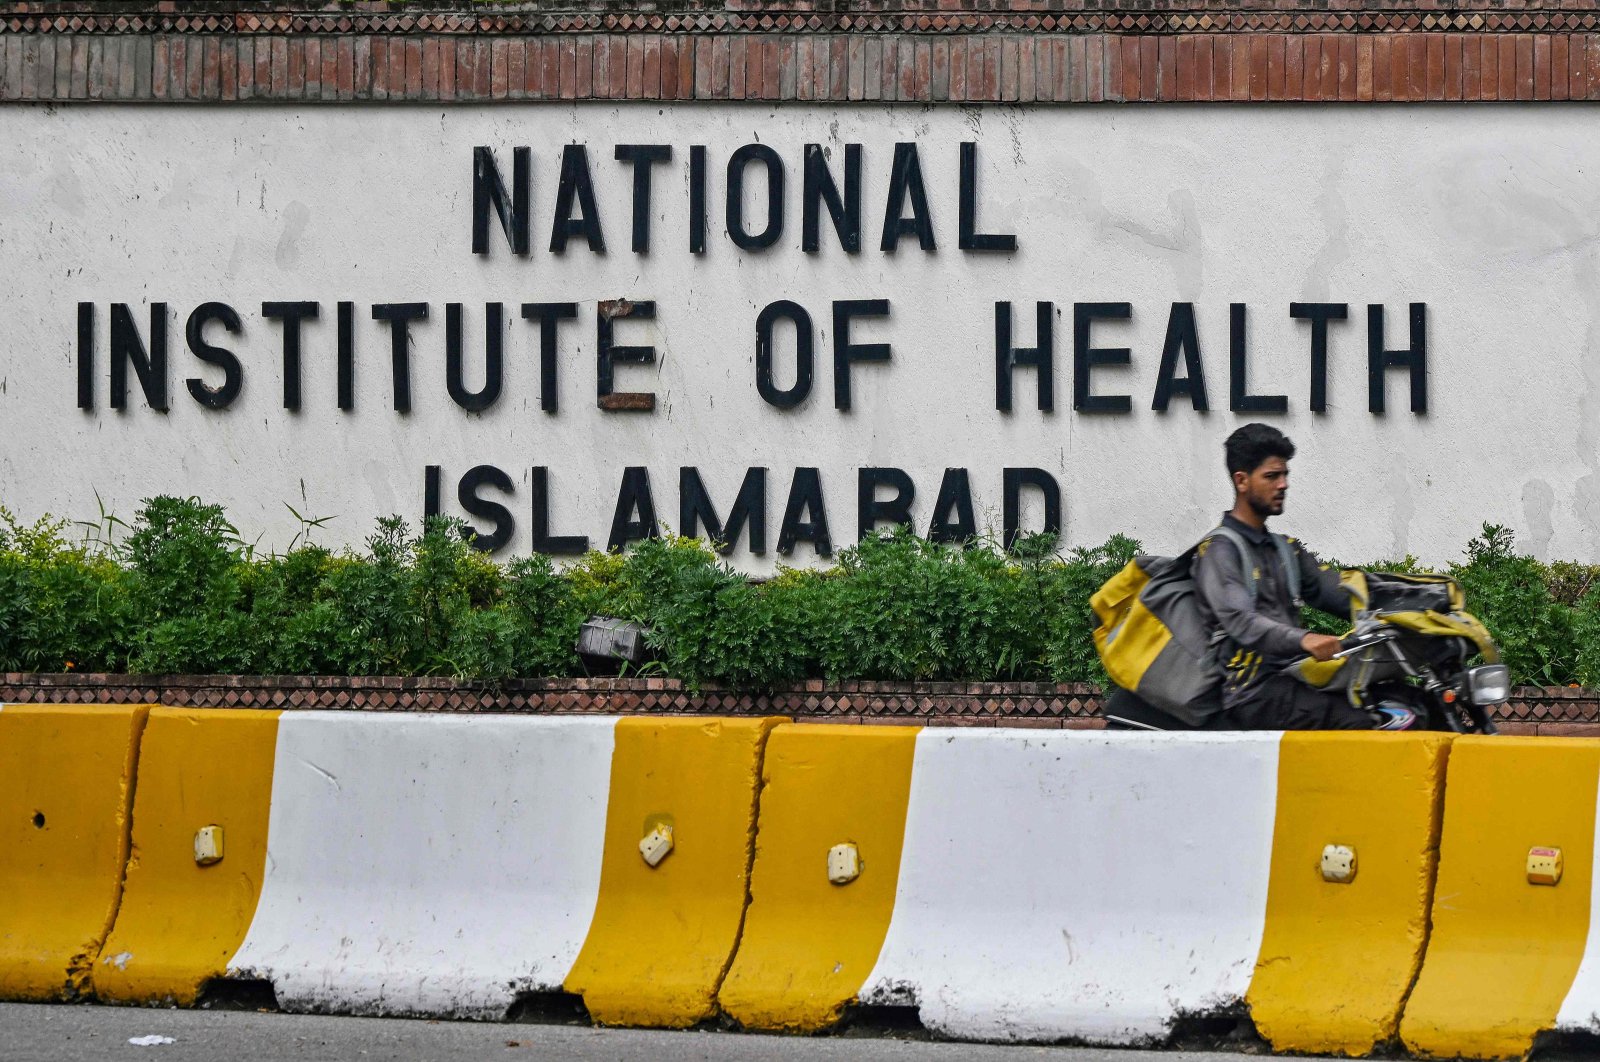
(182, 592)
(1511, 595)
(62, 607)
(706, 622)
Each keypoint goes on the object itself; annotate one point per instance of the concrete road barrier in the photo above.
(180, 923)
(439, 865)
(1510, 958)
(1009, 884)
(1093, 887)
(1338, 959)
(66, 772)
(1076, 885)
(662, 936)
(809, 944)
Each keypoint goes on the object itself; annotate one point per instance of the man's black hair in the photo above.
(1249, 447)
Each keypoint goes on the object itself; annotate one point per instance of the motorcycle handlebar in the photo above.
(1355, 642)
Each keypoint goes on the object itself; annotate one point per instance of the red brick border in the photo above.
(994, 68)
(538, 17)
(1555, 711)
(920, 51)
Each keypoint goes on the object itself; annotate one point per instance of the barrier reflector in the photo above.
(663, 935)
(1337, 959)
(1504, 954)
(65, 779)
(428, 864)
(809, 944)
(179, 922)
(1078, 885)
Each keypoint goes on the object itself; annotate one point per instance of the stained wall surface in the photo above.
(1485, 215)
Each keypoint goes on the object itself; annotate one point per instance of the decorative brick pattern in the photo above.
(800, 17)
(921, 51)
(998, 68)
(1532, 710)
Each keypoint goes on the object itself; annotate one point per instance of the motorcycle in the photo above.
(1413, 646)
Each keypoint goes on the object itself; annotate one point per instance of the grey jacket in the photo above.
(1260, 636)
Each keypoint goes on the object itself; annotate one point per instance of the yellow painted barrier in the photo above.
(662, 936)
(1504, 952)
(809, 944)
(180, 921)
(65, 777)
(1337, 959)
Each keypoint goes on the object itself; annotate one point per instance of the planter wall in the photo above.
(1548, 711)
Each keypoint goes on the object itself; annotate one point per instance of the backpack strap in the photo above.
(1245, 555)
(1291, 569)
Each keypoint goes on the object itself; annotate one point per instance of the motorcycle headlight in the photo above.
(1488, 684)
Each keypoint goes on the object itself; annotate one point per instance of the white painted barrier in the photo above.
(1067, 885)
(419, 865)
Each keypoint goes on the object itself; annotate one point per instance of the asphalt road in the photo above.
(63, 1033)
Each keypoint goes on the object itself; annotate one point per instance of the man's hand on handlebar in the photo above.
(1321, 646)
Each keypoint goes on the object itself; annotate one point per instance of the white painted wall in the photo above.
(1071, 885)
(423, 864)
(1486, 213)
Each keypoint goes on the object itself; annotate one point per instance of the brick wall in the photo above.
(1026, 51)
(1532, 710)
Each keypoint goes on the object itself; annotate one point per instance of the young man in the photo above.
(1261, 634)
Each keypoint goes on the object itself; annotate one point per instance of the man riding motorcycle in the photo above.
(1256, 635)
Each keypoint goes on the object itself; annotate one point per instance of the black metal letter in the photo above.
(846, 352)
(1319, 314)
(1240, 400)
(347, 355)
(489, 190)
(697, 199)
(953, 520)
(607, 353)
(494, 339)
(633, 497)
(642, 157)
(150, 367)
(805, 498)
(400, 315)
(749, 509)
(803, 354)
(1183, 338)
(871, 510)
(543, 540)
(1011, 505)
(1413, 358)
(85, 355)
(431, 490)
(549, 315)
(820, 190)
(905, 181)
(1085, 358)
(484, 509)
(970, 238)
(291, 314)
(576, 184)
(1041, 357)
(221, 396)
(737, 164)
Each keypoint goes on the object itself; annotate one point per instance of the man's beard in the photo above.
(1273, 506)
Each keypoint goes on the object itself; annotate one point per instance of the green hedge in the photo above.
(178, 591)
